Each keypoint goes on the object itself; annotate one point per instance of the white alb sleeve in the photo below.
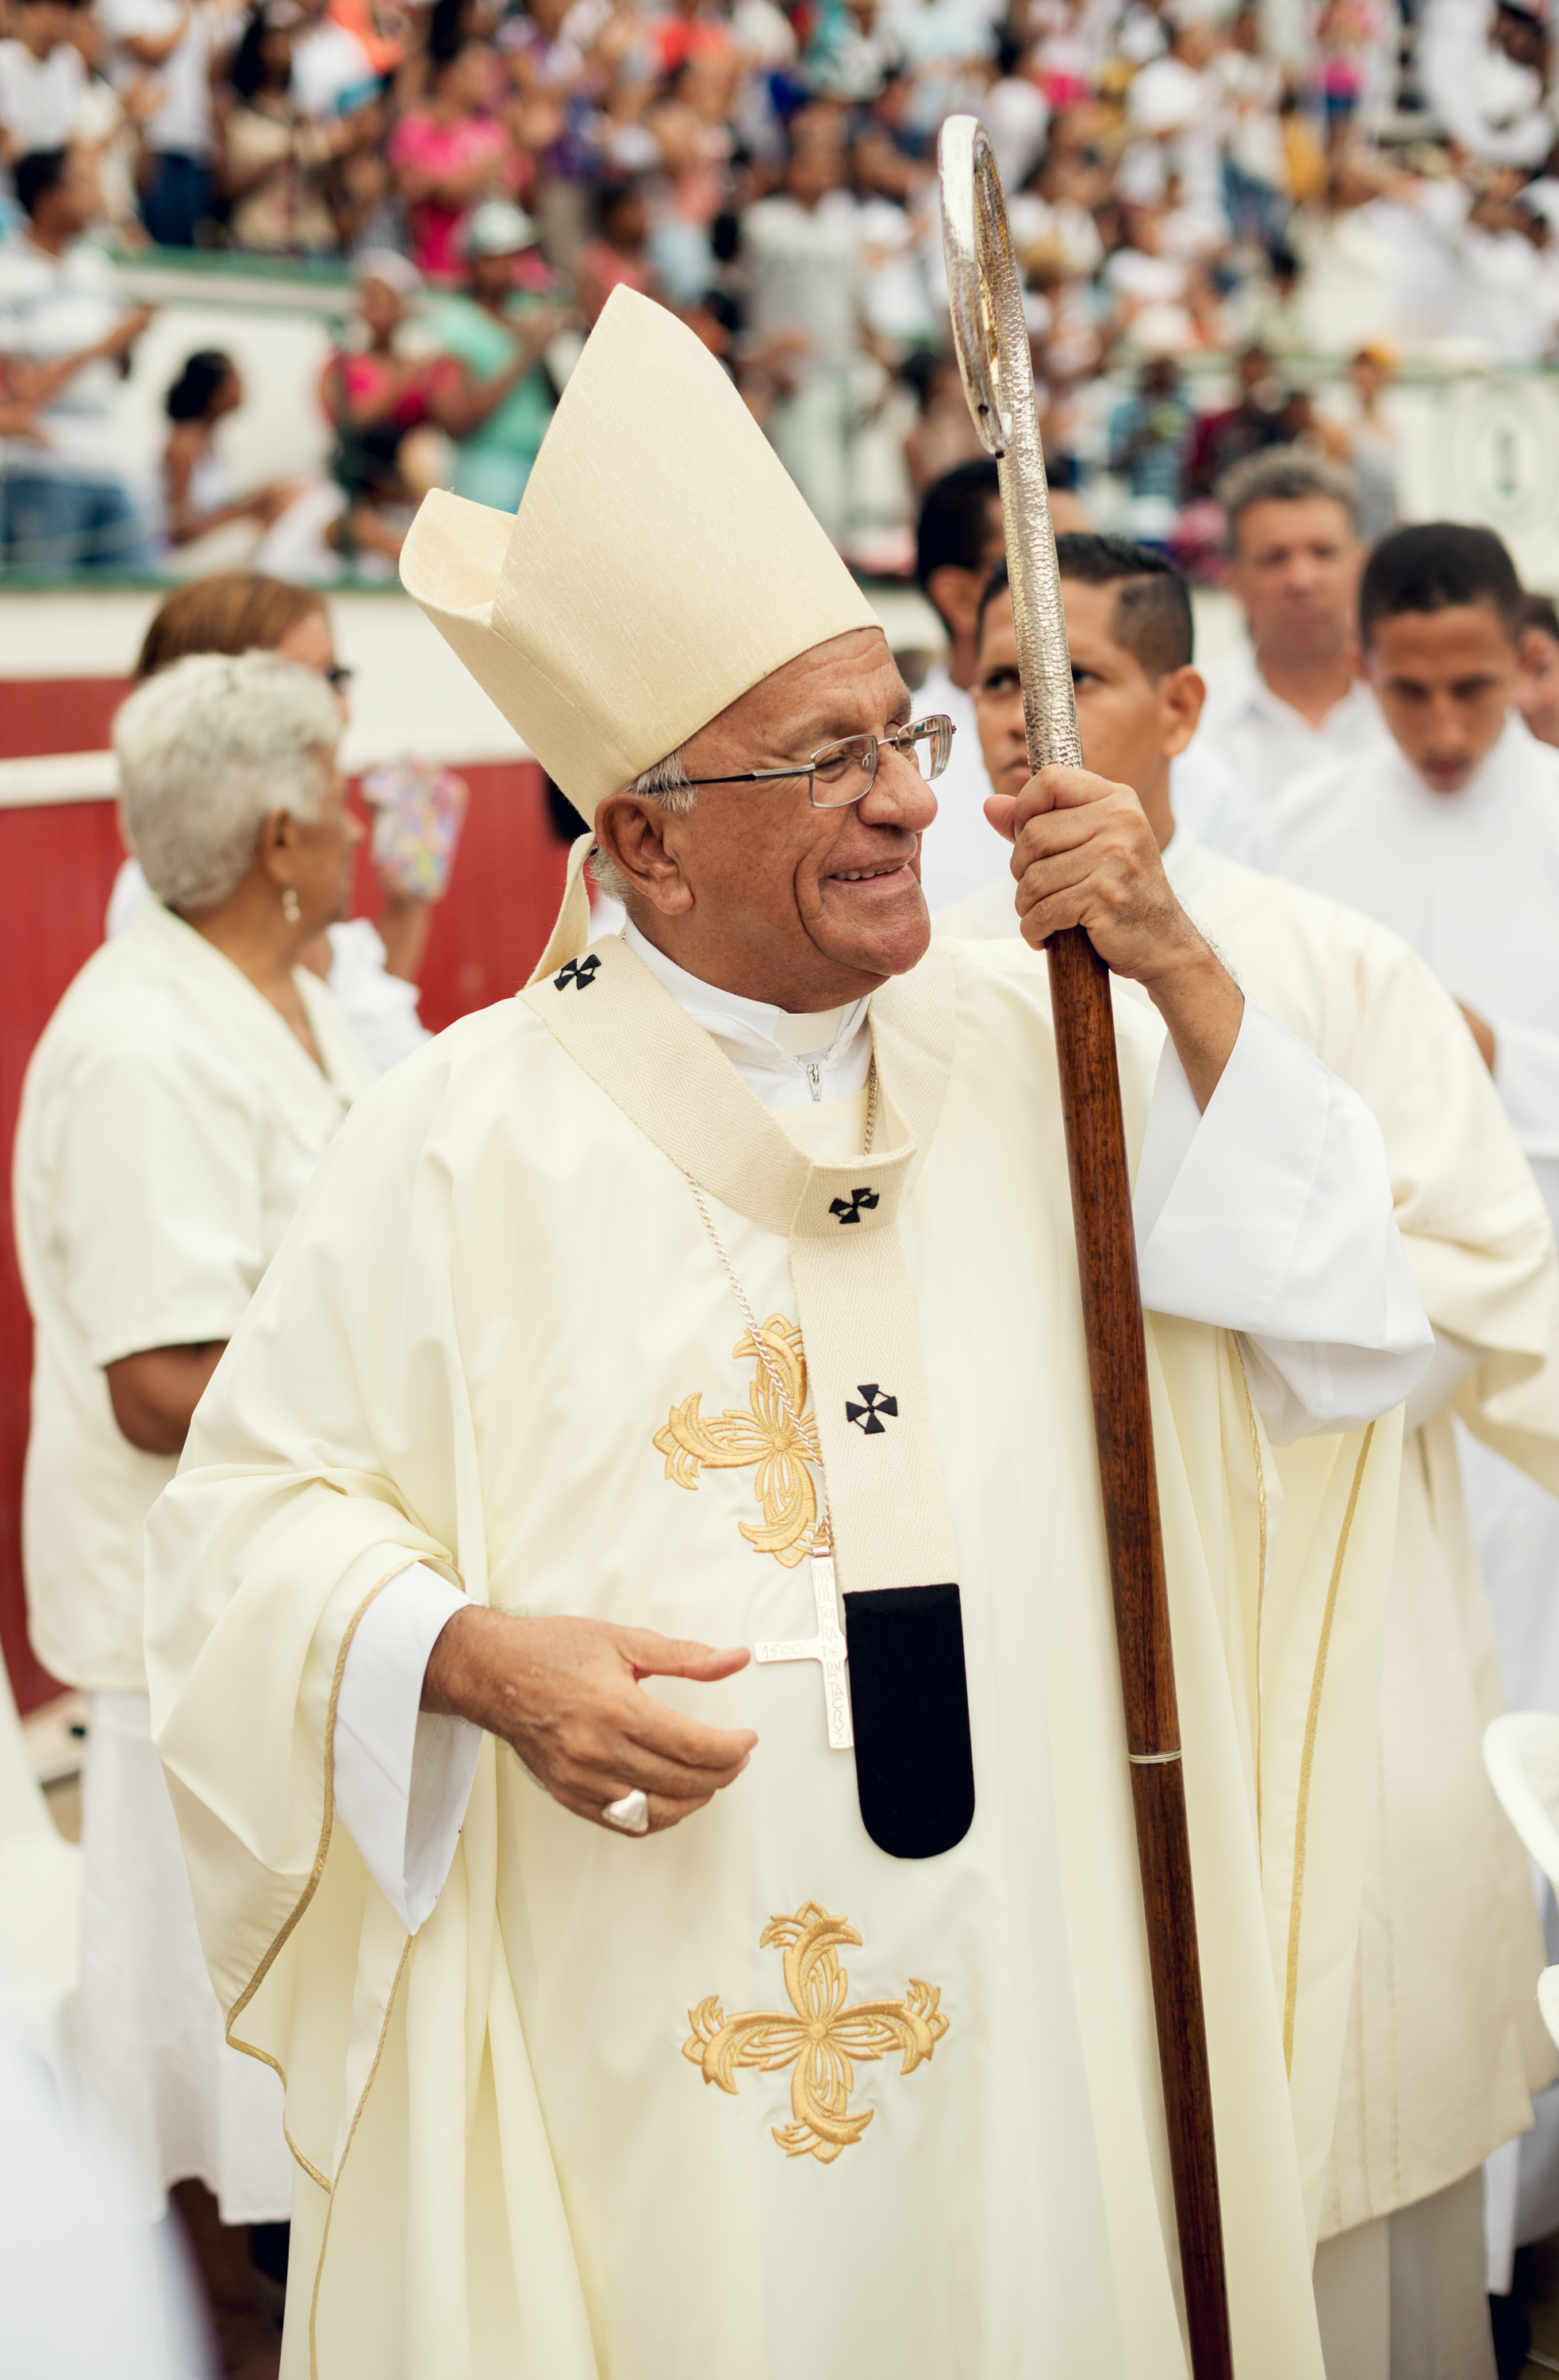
(1270, 1215)
(402, 1777)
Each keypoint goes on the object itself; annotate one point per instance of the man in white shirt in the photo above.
(1449, 833)
(1292, 697)
(43, 80)
(66, 337)
(174, 42)
(1432, 2081)
(805, 255)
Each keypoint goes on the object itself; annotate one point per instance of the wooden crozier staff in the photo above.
(991, 338)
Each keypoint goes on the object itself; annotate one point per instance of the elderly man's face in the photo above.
(756, 891)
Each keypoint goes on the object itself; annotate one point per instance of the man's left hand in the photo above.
(1084, 855)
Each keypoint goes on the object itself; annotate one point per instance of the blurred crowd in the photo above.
(1206, 196)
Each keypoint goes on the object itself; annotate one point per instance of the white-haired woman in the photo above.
(180, 1097)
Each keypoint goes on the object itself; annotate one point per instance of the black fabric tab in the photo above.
(910, 1706)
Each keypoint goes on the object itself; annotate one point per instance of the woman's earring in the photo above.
(290, 909)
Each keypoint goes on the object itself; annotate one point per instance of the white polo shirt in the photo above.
(1266, 743)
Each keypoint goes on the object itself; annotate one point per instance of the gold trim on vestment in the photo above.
(347, 2150)
(1261, 1558)
(1307, 1762)
(249, 2048)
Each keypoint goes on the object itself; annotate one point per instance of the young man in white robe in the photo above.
(734, 1245)
(1445, 2041)
(1449, 833)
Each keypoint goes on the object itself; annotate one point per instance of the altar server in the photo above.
(173, 1110)
(1436, 2073)
(1450, 835)
(756, 2021)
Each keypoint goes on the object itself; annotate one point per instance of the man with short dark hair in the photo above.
(1292, 698)
(1450, 835)
(65, 338)
(1431, 2081)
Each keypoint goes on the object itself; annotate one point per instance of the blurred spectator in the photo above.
(1259, 420)
(162, 57)
(1148, 435)
(197, 488)
(382, 393)
(42, 77)
(1537, 688)
(802, 248)
(275, 159)
(66, 337)
(619, 257)
(500, 402)
(1368, 443)
(958, 544)
(1292, 698)
(448, 155)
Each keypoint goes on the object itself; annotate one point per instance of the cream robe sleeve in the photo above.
(314, 1505)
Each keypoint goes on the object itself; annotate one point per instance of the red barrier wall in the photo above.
(56, 867)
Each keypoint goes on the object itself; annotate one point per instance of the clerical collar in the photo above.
(760, 1040)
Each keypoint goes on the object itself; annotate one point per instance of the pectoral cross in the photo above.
(827, 1647)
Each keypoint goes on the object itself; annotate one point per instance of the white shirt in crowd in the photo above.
(183, 125)
(53, 306)
(41, 98)
(332, 72)
(380, 1007)
(1266, 743)
(1270, 1214)
(806, 274)
(960, 849)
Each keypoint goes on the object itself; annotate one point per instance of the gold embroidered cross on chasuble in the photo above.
(818, 2037)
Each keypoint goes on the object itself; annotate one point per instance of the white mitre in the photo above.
(661, 562)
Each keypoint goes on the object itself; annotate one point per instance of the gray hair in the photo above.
(667, 783)
(1285, 475)
(207, 750)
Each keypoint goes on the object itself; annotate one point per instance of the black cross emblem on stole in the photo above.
(868, 1416)
(849, 1211)
(581, 972)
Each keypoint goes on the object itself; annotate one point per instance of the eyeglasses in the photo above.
(338, 677)
(844, 772)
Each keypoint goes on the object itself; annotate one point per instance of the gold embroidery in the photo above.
(1260, 1560)
(764, 1435)
(820, 2039)
(1307, 1757)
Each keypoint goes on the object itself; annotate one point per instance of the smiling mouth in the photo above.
(867, 875)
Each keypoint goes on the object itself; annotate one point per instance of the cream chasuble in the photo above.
(754, 2096)
(1444, 2040)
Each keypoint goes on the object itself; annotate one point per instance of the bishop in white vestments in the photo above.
(1443, 2041)
(645, 2006)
